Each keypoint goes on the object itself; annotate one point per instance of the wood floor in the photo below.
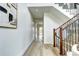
(39, 49)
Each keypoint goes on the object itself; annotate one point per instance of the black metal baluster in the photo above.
(67, 43)
(75, 32)
(78, 30)
(70, 38)
(66, 38)
(56, 39)
(64, 41)
(72, 35)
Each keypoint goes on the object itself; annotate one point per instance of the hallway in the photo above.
(38, 29)
(38, 49)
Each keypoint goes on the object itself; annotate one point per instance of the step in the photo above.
(75, 51)
(56, 51)
(67, 14)
(69, 53)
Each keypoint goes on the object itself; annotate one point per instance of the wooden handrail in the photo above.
(67, 21)
(70, 24)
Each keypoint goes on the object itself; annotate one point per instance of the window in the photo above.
(3, 9)
(10, 17)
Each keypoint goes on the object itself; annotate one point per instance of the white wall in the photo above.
(16, 41)
(50, 22)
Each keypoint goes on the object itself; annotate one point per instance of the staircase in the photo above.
(66, 35)
(68, 9)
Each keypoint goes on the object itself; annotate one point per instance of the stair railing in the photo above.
(66, 35)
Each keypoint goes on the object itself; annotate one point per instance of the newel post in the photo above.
(61, 42)
(54, 38)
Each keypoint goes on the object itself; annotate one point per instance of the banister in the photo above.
(70, 24)
(61, 42)
(60, 30)
(54, 38)
(67, 21)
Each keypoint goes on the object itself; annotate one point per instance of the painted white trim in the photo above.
(25, 49)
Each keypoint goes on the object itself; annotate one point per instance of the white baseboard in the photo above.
(25, 49)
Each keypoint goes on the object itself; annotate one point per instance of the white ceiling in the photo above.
(38, 12)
